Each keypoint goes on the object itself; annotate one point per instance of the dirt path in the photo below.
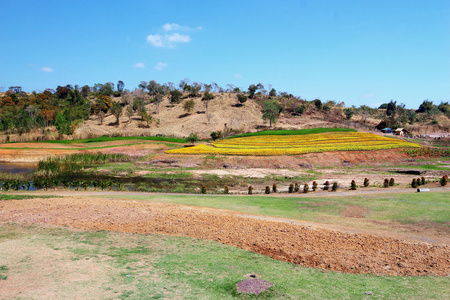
(309, 246)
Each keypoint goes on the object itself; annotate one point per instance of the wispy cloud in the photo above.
(238, 76)
(139, 65)
(160, 66)
(47, 69)
(170, 36)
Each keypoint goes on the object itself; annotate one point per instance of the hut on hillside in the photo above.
(401, 132)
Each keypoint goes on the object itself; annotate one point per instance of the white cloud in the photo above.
(167, 40)
(177, 27)
(238, 76)
(139, 65)
(159, 66)
(46, 69)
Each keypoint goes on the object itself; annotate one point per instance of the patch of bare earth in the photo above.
(313, 247)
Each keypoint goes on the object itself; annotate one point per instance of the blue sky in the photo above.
(358, 52)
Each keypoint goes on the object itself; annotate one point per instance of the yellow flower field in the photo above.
(297, 144)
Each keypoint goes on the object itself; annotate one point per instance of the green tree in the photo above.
(129, 112)
(145, 116)
(318, 103)
(242, 99)
(120, 86)
(426, 107)
(348, 113)
(391, 108)
(117, 110)
(192, 138)
(61, 124)
(175, 96)
(188, 105)
(206, 98)
(252, 90)
(272, 93)
(271, 111)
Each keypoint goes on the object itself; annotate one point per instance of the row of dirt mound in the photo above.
(308, 246)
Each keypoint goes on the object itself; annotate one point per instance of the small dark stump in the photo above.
(253, 286)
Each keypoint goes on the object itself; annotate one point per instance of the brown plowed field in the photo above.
(313, 247)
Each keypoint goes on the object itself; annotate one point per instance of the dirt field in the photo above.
(309, 246)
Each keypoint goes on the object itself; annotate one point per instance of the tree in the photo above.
(117, 110)
(426, 107)
(175, 96)
(61, 124)
(272, 93)
(348, 113)
(318, 103)
(252, 90)
(188, 105)
(271, 111)
(192, 138)
(206, 98)
(129, 112)
(216, 135)
(241, 98)
(145, 116)
(120, 86)
(391, 108)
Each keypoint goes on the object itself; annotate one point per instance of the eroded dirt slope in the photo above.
(314, 247)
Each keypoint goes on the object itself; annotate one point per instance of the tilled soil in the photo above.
(308, 246)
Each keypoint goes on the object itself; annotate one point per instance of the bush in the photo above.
(192, 138)
(291, 188)
(203, 189)
(226, 190)
(444, 180)
(334, 187)
(392, 182)
(326, 186)
(414, 183)
(305, 188)
(274, 188)
(250, 190)
(418, 181)
(314, 186)
(366, 182)
(353, 185)
(267, 191)
(216, 135)
(386, 183)
(296, 187)
(422, 180)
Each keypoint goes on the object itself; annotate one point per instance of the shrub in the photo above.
(192, 138)
(386, 183)
(422, 180)
(305, 188)
(353, 185)
(203, 189)
(274, 187)
(334, 187)
(267, 191)
(216, 135)
(226, 190)
(418, 181)
(366, 182)
(291, 188)
(296, 187)
(392, 182)
(444, 180)
(326, 185)
(314, 186)
(414, 183)
(250, 190)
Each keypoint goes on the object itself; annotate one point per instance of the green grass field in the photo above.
(130, 266)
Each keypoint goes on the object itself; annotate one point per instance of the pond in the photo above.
(17, 168)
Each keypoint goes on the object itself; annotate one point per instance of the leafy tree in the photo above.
(391, 108)
(103, 103)
(192, 138)
(241, 98)
(117, 110)
(252, 90)
(85, 91)
(138, 104)
(318, 103)
(426, 107)
(206, 98)
(188, 105)
(348, 113)
(445, 108)
(120, 86)
(271, 111)
(175, 96)
(129, 112)
(272, 93)
(383, 106)
(145, 116)
(216, 135)
(61, 124)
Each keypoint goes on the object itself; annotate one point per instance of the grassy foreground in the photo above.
(104, 265)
